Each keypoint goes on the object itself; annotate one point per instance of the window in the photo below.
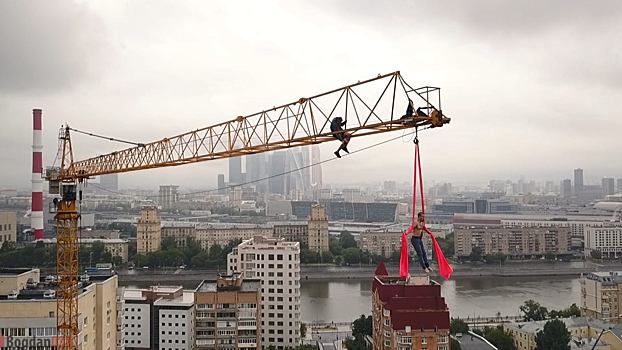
(405, 340)
(424, 340)
(387, 343)
(270, 256)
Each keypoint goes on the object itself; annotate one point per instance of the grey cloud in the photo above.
(48, 46)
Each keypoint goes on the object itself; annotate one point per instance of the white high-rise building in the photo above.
(277, 264)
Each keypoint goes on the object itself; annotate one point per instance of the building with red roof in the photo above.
(408, 313)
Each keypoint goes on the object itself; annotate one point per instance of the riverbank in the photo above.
(366, 273)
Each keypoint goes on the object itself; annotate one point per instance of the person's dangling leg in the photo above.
(424, 257)
(416, 242)
(346, 140)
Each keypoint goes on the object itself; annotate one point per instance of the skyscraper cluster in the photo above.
(279, 172)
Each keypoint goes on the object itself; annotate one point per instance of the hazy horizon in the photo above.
(531, 87)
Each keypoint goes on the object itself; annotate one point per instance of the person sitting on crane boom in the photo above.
(344, 137)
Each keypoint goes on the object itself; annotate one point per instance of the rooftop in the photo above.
(14, 272)
(186, 299)
(211, 286)
(570, 322)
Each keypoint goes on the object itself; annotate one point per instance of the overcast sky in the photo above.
(533, 87)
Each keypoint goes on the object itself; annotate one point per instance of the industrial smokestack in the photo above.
(36, 213)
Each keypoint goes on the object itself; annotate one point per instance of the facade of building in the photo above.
(601, 296)
(160, 317)
(608, 186)
(318, 229)
(277, 264)
(114, 246)
(578, 180)
(583, 331)
(606, 238)
(8, 227)
(295, 231)
(351, 211)
(222, 234)
(221, 184)
(235, 170)
(148, 231)
(228, 313)
(168, 196)
(180, 232)
(513, 242)
(385, 242)
(566, 188)
(408, 314)
(109, 182)
(576, 223)
(33, 313)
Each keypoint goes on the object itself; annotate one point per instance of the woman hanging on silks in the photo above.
(417, 242)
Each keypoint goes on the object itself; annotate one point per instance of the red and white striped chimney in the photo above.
(36, 214)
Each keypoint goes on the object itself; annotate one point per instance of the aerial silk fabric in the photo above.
(443, 266)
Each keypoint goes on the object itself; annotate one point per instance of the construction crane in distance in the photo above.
(369, 107)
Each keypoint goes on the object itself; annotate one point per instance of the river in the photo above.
(343, 301)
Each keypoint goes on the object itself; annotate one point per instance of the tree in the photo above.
(168, 243)
(356, 343)
(500, 338)
(308, 256)
(347, 240)
(215, 252)
(534, 311)
(98, 250)
(303, 330)
(455, 345)
(549, 256)
(554, 336)
(327, 257)
(334, 246)
(362, 326)
(338, 260)
(117, 260)
(476, 254)
(7, 246)
(596, 254)
(351, 255)
(573, 310)
(396, 256)
(458, 326)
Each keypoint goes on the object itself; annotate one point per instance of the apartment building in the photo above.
(8, 227)
(601, 296)
(385, 242)
(293, 231)
(277, 264)
(148, 231)
(114, 246)
(222, 234)
(605, 238)
(576, 223)
(181, 232)
(228, 314)
(583, 331)
(517, 241)
(160, 317)
(318, 229)
(28, 310)
(408, 313)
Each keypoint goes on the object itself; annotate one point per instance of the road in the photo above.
(468, 342)
(328, 338)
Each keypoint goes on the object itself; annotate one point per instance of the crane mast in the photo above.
(303, 122)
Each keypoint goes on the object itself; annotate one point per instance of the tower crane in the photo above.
(303, 122)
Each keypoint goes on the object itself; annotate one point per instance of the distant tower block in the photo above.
(36, 214)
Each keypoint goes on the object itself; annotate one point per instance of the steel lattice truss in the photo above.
(370, 107)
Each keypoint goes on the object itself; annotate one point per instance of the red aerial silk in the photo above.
(443, 266)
